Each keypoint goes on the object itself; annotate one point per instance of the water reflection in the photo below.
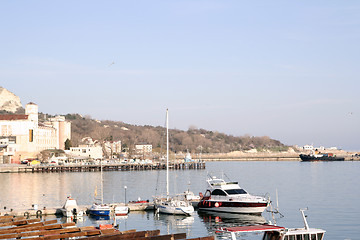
(72, 219)
(178, 223)
(215, 220)
(99, 218)
(20, 191)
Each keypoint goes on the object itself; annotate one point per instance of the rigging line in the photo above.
(162, 139)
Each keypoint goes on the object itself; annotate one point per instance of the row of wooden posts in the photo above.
(111, 167)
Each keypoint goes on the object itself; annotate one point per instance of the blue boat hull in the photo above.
(100, 212)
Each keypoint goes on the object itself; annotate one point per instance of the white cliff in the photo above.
(9, 101)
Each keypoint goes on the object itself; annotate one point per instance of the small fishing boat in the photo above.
(273, 232)
(71, 209)
(121, 210)
(99, 209)
(226, 196)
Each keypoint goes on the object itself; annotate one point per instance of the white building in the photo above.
(26, 137)
(113, 147)
(94, 152)
(308, 147)
(143, 148)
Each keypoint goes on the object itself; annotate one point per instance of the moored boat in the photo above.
(273, 232)
(171, 205)
(226, 196)
(100, 209)
(320, 157)
(71, 209)
(121, 210)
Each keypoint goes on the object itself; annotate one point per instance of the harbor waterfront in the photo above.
(12, 168)
(323, 187)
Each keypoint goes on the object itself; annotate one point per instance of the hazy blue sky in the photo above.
(286, 69)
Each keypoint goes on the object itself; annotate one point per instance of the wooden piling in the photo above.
(107, 167)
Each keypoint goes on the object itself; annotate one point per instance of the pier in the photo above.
(40, 211)
(105, 167)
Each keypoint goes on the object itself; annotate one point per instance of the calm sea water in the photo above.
(330, 190)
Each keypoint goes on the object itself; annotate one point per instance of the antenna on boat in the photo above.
(304, 217)
(276, 209)
(277, 200)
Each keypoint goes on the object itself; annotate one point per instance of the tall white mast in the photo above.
(167, 153)
(101, 183)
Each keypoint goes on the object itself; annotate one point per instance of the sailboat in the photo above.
(100, 209)
(171, 205)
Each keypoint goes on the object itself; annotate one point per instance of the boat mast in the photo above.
(167, 154)
(101, 182)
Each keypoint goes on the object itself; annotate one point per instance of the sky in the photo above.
(284, 69)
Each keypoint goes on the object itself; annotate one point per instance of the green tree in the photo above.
(68, 144)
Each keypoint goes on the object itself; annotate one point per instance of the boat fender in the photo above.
(217, 204)
(38, 213)
(26, 214)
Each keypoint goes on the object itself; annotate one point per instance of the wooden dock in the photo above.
(45, 211)
(20, 227)
(106, 167)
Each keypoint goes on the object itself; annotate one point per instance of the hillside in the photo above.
(180, 141)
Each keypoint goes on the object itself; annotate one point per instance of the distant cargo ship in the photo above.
(320, 157)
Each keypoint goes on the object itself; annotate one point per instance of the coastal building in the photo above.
(143, 148)
(23, 136)
(112, 147)
(308, 147)
(86, 151)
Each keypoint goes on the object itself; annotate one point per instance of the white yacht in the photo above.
(226, 196)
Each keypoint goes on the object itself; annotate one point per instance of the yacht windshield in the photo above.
(235, 191)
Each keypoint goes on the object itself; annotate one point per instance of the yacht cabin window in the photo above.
(218, 192)
(320, 236)
(272, 236)
(235, 191)
(304, 237)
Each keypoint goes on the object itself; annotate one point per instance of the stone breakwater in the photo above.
(266, 156)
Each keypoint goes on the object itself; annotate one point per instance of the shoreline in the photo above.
(178, 164)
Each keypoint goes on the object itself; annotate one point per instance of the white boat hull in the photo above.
(121, 211)
(245, 210)
(175, 210)
(70, 213)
